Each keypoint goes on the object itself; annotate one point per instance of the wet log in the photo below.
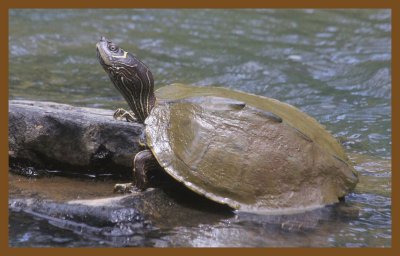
(53, 136)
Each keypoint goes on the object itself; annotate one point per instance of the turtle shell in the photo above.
(250, 152)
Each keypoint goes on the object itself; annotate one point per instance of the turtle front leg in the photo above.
(121, 114)
(142, 163)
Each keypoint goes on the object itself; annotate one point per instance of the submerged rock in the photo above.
(53, 136)
(168, 216)
(94, 212)
(157, 217)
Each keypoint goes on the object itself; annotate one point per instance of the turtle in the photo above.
(249, 152)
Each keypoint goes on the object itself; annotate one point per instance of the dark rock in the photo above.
(110, 222)
(93, 211)
(48, 135)
(156, 217)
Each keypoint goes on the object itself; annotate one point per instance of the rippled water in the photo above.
(333, 64)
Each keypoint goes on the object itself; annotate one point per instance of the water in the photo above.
(333, 64)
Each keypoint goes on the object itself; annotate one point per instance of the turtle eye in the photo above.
(113, 48)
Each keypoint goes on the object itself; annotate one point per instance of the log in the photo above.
(53, 136)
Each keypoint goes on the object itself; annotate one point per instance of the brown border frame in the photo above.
(5, 5)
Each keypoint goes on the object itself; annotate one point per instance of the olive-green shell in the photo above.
(250, 152)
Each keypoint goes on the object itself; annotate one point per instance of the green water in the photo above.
(333, 64)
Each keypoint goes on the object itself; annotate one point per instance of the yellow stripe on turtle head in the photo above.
(120, 57)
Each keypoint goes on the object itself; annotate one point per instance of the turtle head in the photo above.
(131, 77)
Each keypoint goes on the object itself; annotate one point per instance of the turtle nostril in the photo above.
(102, 39)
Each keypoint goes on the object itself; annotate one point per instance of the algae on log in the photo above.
(52, 136)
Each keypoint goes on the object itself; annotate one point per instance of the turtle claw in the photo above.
(141, 182)
(121, 114)
(123, 188)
